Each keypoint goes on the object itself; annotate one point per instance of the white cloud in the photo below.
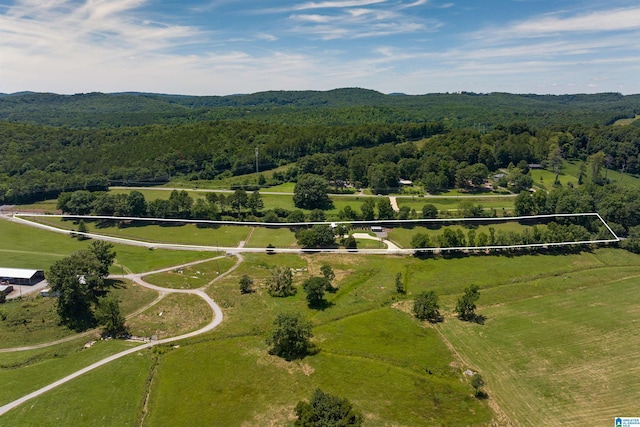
(555, 24)
(335, 4)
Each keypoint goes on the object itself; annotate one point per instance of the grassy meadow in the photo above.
(556, 347)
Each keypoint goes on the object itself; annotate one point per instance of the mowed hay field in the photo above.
(563, 358)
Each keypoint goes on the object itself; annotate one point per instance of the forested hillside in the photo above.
(336, 107)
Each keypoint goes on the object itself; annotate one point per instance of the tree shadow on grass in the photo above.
(321, 305)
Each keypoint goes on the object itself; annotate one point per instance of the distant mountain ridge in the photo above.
(303, 107)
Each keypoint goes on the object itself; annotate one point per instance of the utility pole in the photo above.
(256, 159)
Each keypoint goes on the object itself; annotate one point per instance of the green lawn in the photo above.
(261, 237)
(176, 233)
(500, 204)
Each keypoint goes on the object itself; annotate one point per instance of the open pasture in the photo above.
(564, 354)
(390, 384)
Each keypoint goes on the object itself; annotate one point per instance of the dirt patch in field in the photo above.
(274, 416)
(405, 306)
(293, 367)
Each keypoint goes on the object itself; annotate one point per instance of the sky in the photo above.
(222, 47)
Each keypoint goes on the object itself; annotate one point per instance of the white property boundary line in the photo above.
(18, 216)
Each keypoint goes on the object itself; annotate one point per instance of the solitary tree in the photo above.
(328, 274)
(80, 280)
(425, 306)
(466, 306)
(290, 336)
(315, 287)
(326, 410)
(385, 210)
(280, 283)
(400, 288)
(368, 208)
(554, 159)
(429, 211)
(477, 382)
(82, 228)
(136, 204)
(420, 240)
(311, 192)
(246, 284)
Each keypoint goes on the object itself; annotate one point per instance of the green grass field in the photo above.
(27, 371)
(567, 357)
(175, 314)
(261, 237)
(118, 401)
(192, 277)
(557, 347)
(177, 233)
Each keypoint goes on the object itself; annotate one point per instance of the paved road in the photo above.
(394, 203)
(391, 247)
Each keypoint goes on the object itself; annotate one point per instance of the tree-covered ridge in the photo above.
(348, 106)
(38, 161)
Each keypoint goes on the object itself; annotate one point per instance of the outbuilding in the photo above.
(20, 276)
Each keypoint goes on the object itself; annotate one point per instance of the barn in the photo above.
(20, 276)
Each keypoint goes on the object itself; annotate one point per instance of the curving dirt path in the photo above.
(137, 278)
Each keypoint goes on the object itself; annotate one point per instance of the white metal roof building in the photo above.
(21, 276)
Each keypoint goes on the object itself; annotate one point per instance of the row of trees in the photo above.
(179, 204)
(551, 233)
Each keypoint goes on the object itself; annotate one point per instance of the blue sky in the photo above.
(219, 47)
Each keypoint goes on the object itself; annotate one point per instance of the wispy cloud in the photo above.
(605, 20)
(356, 22)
